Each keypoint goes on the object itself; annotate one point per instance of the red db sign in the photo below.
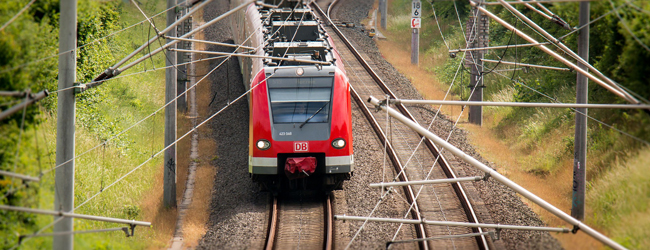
(300, 147)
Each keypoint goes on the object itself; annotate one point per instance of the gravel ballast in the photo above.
(504, 206)
(240, 210)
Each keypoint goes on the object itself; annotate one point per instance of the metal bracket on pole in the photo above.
(79, 87)
(575, 229)
(486, 176)
(497, 234)
(132, 228)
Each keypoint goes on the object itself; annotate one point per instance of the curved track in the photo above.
(300, 222)
(436, 202)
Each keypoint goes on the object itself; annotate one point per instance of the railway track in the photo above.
(443, 202)
(300, 222)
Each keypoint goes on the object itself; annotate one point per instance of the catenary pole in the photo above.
(169, 185)
(580, 145)
(65, 141)
(478, 34)
(383, 11)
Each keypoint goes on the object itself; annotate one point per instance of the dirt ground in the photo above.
(194, 225)
(490, 146)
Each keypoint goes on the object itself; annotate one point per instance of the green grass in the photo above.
(618, 177)
(620, 201)
(123, 102)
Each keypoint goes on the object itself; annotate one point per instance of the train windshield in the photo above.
(300, 100)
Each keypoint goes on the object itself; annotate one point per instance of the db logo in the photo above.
(300, 147)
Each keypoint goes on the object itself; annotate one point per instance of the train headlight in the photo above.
(300, 71)
(263, 144)
(338, 143)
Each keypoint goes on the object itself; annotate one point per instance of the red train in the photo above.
(300, 134)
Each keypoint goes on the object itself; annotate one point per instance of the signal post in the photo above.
(416, 20)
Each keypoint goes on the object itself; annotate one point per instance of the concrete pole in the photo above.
(65, 142)
(181, 102)
(383, 11)
(476, 86)
(580, 141)
(475, 115)
(415, 47)
(169, 192)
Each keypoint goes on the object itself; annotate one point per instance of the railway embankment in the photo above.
(534, 147)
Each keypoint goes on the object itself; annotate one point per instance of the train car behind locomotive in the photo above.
(300, 132)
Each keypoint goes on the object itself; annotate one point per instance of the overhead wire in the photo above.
(590, 22)
(148, 116)
(177, 140)
(422, 140)
(629, 2)
(17, 14)
(136, 123)
(20, 136)
(588, 116)
(136, 168)
(557, 43)
(449, 136)
(153, 25)
(438, 24)
(627, 28)
(87, 44)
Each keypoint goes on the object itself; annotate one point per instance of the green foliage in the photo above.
(28, 61)
(619, 194)
(26, 39)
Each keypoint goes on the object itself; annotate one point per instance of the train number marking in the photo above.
(300, 147)
(285, 133)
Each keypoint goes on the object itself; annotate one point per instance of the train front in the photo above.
(301, 129)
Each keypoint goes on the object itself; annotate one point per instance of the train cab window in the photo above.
(300, 99)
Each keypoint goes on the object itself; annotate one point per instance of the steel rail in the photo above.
(394, 159)
(578, 225)
(446, 167)
(273, 225)
(329, 224)
(328, 237)
(392, 154)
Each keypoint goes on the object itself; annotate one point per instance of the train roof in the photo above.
(294, 35)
